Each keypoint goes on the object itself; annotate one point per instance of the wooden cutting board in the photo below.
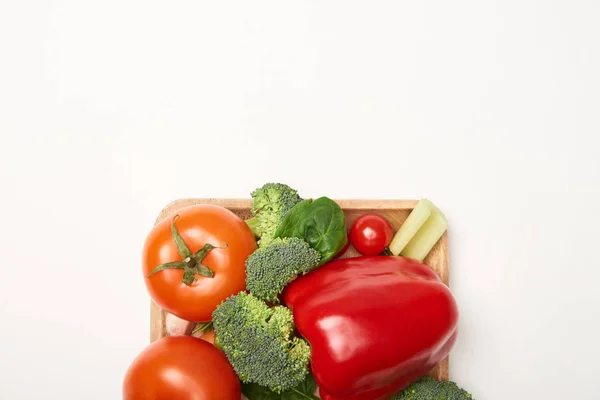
(395, 211)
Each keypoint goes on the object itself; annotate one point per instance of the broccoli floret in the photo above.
(270, 268)
(259, 343)
(270, 204)
(428, 388)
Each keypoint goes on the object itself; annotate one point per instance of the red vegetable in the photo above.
(375, 324)
(203, 248)
(182, 368)
(370, 234)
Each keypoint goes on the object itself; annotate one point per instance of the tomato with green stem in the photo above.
(195, 260)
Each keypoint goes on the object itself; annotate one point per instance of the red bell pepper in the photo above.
(375, 324)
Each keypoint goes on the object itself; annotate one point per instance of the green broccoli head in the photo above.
(270, 204)
(428, 388)
(270, 268)
(259, 343)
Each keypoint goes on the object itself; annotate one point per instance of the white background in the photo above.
(109, 110)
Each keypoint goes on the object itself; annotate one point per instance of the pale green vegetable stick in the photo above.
(427, 236)
(409, 228)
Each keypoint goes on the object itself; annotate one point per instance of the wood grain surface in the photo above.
(395, 211)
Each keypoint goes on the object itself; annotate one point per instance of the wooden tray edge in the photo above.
(246, 202)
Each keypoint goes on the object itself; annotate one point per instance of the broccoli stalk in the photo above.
(259, 343)
(270, 268)
(428, 388)
(255, 225)
(270, 204)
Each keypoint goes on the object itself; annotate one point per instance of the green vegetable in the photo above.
(259, 343)
(409, 228)
(270, 204)
(304, 391)
(270, 268)
(321, 223)
(428, 388)
(422, 229)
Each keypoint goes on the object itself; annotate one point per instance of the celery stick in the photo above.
(428, 235)
(409, 228)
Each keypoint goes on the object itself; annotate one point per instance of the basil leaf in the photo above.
(321, 223)
(253, 391)
(304, 391)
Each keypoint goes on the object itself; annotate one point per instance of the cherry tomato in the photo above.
(202, 249)
(371, 234)
(182, 368)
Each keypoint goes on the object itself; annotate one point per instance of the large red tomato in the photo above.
(195, 260)
(182, 368)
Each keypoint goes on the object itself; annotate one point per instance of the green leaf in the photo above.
(182, 248)
(304, 391)
(321, 223)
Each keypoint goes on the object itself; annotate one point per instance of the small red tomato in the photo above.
(371, 234)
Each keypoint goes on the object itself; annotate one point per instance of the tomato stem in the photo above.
(182, 248)
(192, 263)
(169, 265)
(203, 327)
